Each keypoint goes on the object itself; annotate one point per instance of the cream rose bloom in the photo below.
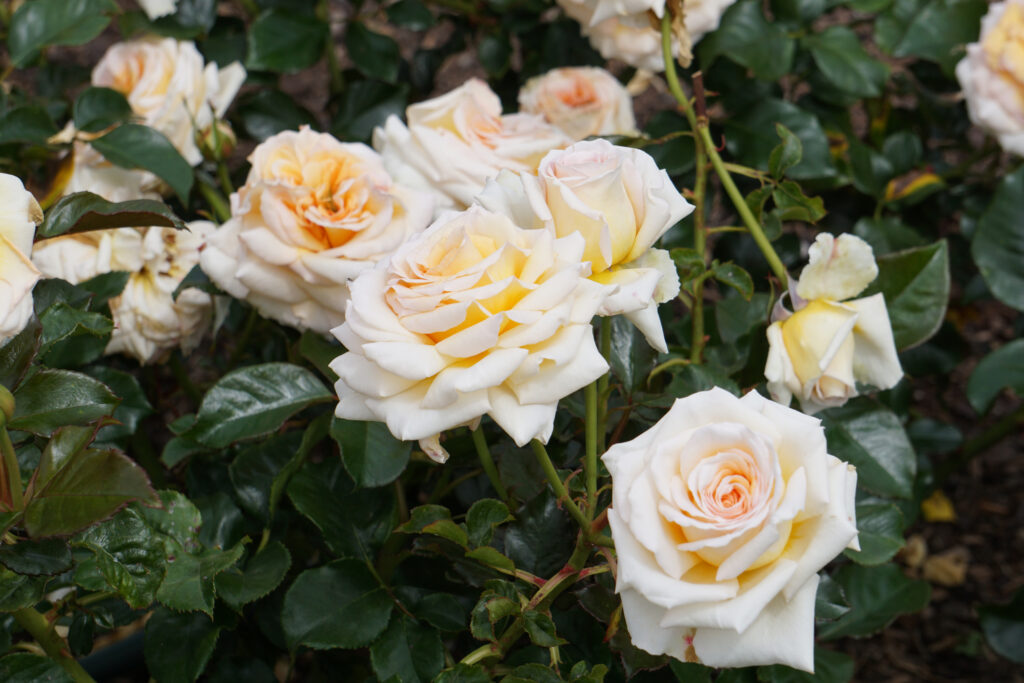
(312, 215)
(623, 29)
(621, 203)
(722, 515)
(454, 143)
(992, 75)
(831, 342)
(473, 316)
(19, 214)
(581, 100)
(148, 321)
(155, 9)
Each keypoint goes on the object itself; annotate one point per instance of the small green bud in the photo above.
(6, 405)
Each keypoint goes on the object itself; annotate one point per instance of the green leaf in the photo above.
(407, 650)
(495, 53)
(287, 41)
(84, 211)
(829, 667)
(464, 673)
(132, 409)
(887, 234)
(365, 105)
(53, 398)
(839, 55)
(442, 611)
(483, 516)
(1003, 626)
(915, 283)
(17, 590)
(128, 558)
(498, 602)
(736, 277)
(787, 154)
(263, 573)
(737, 317)
(436, 520)
(881, 532)
(177, 518)
(747, 38)
(903, 149)
(870, 170)
(930, 29)
(750, 137)
(359, 607)
(91, 486)
(254, 400)
(631, 356)
(1000, 369)
(830, 602)
(17, 354)
(320, 351)
(877, 595)
(372, 456)
(40, 23)
(268, 111)
(490, 557)
(29, 124)
(254, 469)
(998, 242)
(793, 205)
(23, 667)
(132, 145)
(374, 54)
(541, 629)
(189, 584)
(540, 540)
(97, 109)
(65, 443)
(410, 14)
(870, 437)
(47, 556)
(179, 645)
(61, 321)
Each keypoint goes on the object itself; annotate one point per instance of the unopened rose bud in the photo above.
(6, 405)
(217, 141)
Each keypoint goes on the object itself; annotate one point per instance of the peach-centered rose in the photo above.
(312, 215)
(831, 341)
(454, 143)
(621, 203)
(148, 321)
(992, 75)
(473, 316)
(722, 514)
(583, 101)
(19, 214)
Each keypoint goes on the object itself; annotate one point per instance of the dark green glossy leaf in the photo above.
(930, 29)
(793, 205)
(888, 234)
(839, 55)
(736, 277)
(998, 370)
(998, 243)
(915, 283)
(442, 611)
(540, 540)
(254, 469)
(40, 23)
(17, 354)
(84, 211)
(881, 532)
(829, 667)
(787, 154)
(179, 645)
(133, 145)
(263, 572)
(132, 409)
(464, 673)
(23, 667)
(436, 520)
(411, 14)
(406, 649)
(47, 556)
(30, 124)
(830, 602)
(128, 558)
(877, 595)
(18, 590)
(189, 584)
(176, 518)
(280, 40)
(1003, 626)
(483, 516)
(747, 38)
(366, 104)
(751, 137)
(374, 54)
(869, 436)
(97, 108)
(53, 398)
(372, 456)
(269, 111)
(541, 629)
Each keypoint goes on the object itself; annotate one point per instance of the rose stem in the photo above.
(558, 486)
(590, 461)
(603, 392)
(484, 453)
(700, 245)
(11, 468)
(703, 134)
(42, 630)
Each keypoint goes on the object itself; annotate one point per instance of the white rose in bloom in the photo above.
(455, 142)
(312, 215)
(19, 214)
(831, 342)
(621, 202)
(624, 30)
(722, 514)
(582, 101)
(148, 322)
(475, 315)
(92, 173)
(155, 9)
(992, 75)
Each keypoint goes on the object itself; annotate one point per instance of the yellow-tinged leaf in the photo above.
(938, 508)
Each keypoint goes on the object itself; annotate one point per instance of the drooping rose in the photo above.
(582, 101)
(621, 203)
(831, 341)
(473, 316)
(148, 321)
(992, 75)
(312, 215)
(722, 514)
(453, 143)
(19, 214)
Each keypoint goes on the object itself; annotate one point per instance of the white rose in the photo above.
(312, 215)
(831, 342)
(455, 142)
(582, 101)
(148, 321)
(992, 75)
(473, 316)
(19, 214)
(618, 32)
(155, 9)
(621, 202)
(93, 173)
(722, 514)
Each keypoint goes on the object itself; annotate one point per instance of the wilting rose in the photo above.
(831, 342)
(581, 100)
(992, 75)
(722, 514)
(454, 143)
(148, 321)
(624, 30)
(621, 203)
(19, 214)
(312, 215)
(473, 316)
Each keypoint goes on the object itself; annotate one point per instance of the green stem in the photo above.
(590, 461)
(333, 66)
(558, 486)
(703, 134)
(11, 467)
(216, 201)
(700, 237)
(225, 180)
(42, 631)
(603, 392)
(484, 453)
